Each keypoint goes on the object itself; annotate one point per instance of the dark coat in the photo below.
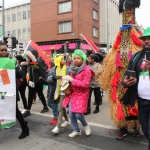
(131, 94)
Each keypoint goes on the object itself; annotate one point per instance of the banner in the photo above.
(7, 92)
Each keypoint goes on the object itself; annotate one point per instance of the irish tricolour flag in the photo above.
(7, 92)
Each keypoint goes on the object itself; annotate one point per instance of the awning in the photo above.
(58, 46)
(85, 46)
(72, 45)
(45, 47)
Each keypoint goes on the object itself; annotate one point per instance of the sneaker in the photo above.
(87, 130)
(45, 110)
(121, 135)
(8, 127)
(53, 121)
(55, 130)
(27, 113)
(74, 133)
(23, 111)
(65, 124)
(136, 133)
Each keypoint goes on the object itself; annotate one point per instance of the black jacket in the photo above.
(131, 94)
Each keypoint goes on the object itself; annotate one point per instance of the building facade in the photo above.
(56, 21)
(114, 21)
(17, 20)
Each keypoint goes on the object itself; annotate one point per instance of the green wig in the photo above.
(79, 53)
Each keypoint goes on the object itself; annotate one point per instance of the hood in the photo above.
(57, 60)
(33, 55)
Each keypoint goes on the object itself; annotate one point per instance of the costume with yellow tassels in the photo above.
(114, 65)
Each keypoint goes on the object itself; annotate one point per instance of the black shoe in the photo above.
(100, 103)
(96, 110)
(25, 131)
(88, 111)
(27, 113)
(45, 110)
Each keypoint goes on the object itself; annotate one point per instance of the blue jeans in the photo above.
(144, 117)
(54, 108)
(74, 117)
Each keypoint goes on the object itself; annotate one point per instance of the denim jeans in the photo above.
(54, 108)
(74, 117)
(144, 117)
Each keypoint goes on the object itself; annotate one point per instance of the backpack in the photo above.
(44, 67)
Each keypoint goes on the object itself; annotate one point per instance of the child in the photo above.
(54, 94)
(94, 84)
(78, 99)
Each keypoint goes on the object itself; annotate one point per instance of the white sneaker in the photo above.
(65, 124)
(55, 130)
(74, 133)
(23, 111)
(87, 130)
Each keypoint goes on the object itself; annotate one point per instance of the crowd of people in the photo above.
(71, 81)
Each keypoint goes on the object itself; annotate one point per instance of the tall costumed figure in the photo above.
(114, 65)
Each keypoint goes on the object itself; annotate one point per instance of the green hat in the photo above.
(79, 53)
(146, 33)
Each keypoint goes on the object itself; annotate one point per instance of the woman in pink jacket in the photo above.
(78, 99)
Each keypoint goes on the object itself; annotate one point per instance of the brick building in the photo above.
(56, 21)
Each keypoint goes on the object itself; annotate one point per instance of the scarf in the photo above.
(59, 72)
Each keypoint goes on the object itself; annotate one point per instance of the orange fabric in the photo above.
(5, 77)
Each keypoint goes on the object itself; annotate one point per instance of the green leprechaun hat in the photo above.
(146, 33)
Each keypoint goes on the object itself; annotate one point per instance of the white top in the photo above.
(144, 84)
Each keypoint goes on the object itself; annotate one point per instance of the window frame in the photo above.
(8, 18)
(14, 17)
(19, 32)
(63, 27)
(29, 14)
(18, 14)
(24, 17)
(96, 2)
(23, 32)
(14, 32)
(97, 15)
(65, 11)
(97, 32)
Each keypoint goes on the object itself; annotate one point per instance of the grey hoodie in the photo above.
(94, 81)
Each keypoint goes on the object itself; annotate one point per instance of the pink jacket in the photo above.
(79, 96)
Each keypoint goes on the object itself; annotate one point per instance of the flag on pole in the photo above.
(7, 93)
(91, 43)
(32, 46)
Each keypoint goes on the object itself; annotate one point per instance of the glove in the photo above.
(63, 82)
(68, 78)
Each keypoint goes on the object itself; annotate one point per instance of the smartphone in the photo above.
(131, 73)
(58, 77)
(148, 55)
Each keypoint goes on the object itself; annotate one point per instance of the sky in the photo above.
(142, 14)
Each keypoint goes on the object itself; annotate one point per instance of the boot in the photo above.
(25, 131)
(96, 110)
(88, 111)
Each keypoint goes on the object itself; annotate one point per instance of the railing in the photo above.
(17, 4)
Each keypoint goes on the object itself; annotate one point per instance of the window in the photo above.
(19, 32)
(29, 31)
(13, 17)
(95, 32)
(14, 33)
(95, 1)
(29, 14)
(24, 31)
(24, 15)
(19, 16)
(64, 7)
(8, 19)
(8, 33)
(65, 26)
(95, 14)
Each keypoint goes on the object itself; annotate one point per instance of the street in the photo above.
(41, 138)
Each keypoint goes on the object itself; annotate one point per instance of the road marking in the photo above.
(90, 123)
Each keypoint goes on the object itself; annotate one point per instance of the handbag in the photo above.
(31, 83)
